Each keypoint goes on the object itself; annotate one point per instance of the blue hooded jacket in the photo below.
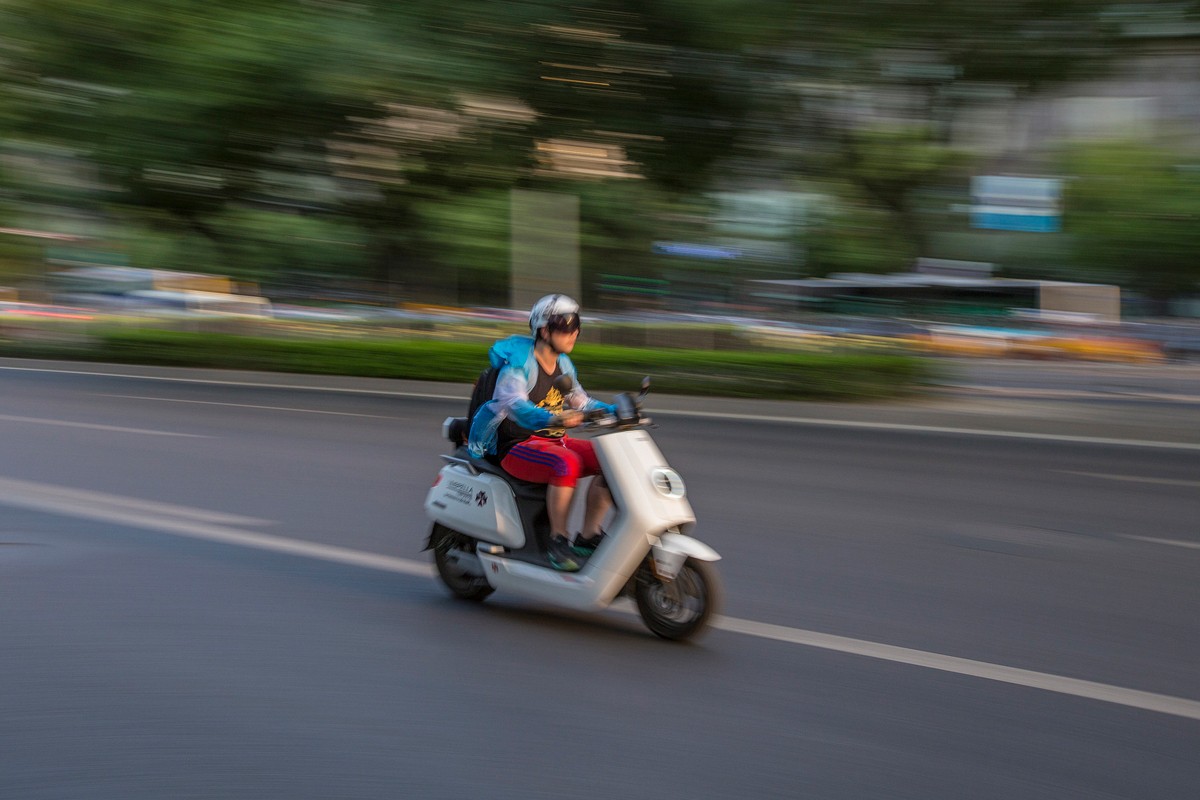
(518, 375)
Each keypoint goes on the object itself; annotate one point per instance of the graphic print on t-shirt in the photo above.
(552, 402)
(543, 395)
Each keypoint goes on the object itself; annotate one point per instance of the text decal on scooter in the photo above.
(459, 492)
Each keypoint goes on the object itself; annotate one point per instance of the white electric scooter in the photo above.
(490, 530)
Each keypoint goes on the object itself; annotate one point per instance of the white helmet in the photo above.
(552, 305)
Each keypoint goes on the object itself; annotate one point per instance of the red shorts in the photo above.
(558, 462)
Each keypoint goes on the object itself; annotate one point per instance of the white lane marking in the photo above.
(1130, 478)
(1149, 701)
(899, 426)
(96, 427)
(832, 423)
(20, 492)
(1092, 394)
(65, 502)
(251, 384)
(1172, 542)
(244, 405)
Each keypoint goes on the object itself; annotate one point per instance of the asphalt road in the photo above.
(1167, 381)
(138, 664)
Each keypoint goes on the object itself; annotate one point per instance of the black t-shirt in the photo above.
(543, 395)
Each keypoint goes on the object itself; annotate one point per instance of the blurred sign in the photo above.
(695, 250)
(1016, 204)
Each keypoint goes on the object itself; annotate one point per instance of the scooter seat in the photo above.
(531, 505)
(522, 489)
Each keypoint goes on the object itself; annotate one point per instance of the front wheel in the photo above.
(461, 584)
(679, 609)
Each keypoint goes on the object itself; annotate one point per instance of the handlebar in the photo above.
(600, 418)
(595, 418)
(628, 415)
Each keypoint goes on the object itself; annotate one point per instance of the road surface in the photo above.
(1019, 615)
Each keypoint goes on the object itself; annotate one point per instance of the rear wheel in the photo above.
(461, 583)
(679, 609)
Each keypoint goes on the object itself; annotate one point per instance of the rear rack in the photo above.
(462, 462)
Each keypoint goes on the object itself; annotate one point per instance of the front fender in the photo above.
(679, 544)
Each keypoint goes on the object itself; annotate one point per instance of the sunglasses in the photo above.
(563, 323)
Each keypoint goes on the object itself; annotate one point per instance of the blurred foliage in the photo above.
(374, 142)
(620, 222)
(1134, 211)
(889, 165)
(733, 374)
(875, 223)
(855, 236)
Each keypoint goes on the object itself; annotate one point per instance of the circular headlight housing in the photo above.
(667, 482)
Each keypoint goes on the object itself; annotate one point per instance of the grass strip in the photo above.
(790, 376)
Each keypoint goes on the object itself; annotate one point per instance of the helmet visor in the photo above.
(563, 323)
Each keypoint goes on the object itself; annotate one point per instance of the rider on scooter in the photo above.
(525, 425)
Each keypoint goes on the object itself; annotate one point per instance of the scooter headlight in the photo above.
(667, 482)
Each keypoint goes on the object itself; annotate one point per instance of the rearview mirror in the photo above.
(645, 390)
(564, 384)
(626, 410)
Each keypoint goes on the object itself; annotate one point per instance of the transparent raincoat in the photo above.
(518, 374)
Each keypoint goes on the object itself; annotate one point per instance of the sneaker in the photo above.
(583, 546)
(561, 555)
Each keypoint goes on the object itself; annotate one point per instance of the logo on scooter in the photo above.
(481, 498)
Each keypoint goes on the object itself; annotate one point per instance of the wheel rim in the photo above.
(681, 601)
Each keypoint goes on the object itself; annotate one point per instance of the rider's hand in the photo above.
(570, 419)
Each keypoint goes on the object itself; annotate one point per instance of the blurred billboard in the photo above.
(1016, 204)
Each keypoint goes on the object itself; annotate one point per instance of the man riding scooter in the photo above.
(524, 426)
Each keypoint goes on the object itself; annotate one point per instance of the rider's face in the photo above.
(562, 342)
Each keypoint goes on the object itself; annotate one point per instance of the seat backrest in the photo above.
(485, 387)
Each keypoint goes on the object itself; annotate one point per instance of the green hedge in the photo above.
(698, 372)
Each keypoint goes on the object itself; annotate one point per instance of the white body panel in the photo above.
(629, 460)
(482, 506)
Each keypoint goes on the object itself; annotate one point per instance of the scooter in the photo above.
(490, 529)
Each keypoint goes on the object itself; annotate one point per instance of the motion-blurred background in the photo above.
(1006, 178)
(208, 584)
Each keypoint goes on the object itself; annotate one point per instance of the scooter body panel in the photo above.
(648, 503)
(482, 506)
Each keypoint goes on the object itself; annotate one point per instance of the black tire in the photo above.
(679, 609)
(461, 585)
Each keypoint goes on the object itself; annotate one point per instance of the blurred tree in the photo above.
(184, 106)
(469, 234)
(1134, 211)
(888, 166)
(867, 90)
(241, 128)
(654, 77)
(621, 220)
(855, 235)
